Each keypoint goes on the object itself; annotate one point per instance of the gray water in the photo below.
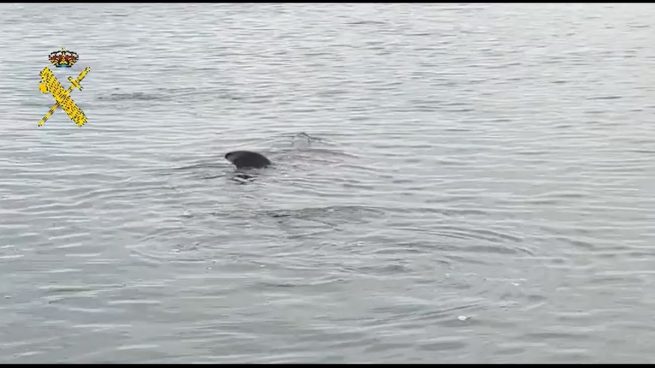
(451, 183)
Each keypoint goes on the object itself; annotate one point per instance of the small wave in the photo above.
(135, 96)
(366, 22)
(330, 214)
(604, 98)
(316, 222)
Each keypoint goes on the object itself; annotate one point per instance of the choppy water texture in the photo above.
(452, 183)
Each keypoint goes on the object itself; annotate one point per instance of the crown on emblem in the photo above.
(63, 58)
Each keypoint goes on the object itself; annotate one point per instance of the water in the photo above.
(452, 183)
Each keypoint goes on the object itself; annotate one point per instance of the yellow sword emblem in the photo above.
(49, 83)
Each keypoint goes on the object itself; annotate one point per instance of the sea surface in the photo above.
(452, 183)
